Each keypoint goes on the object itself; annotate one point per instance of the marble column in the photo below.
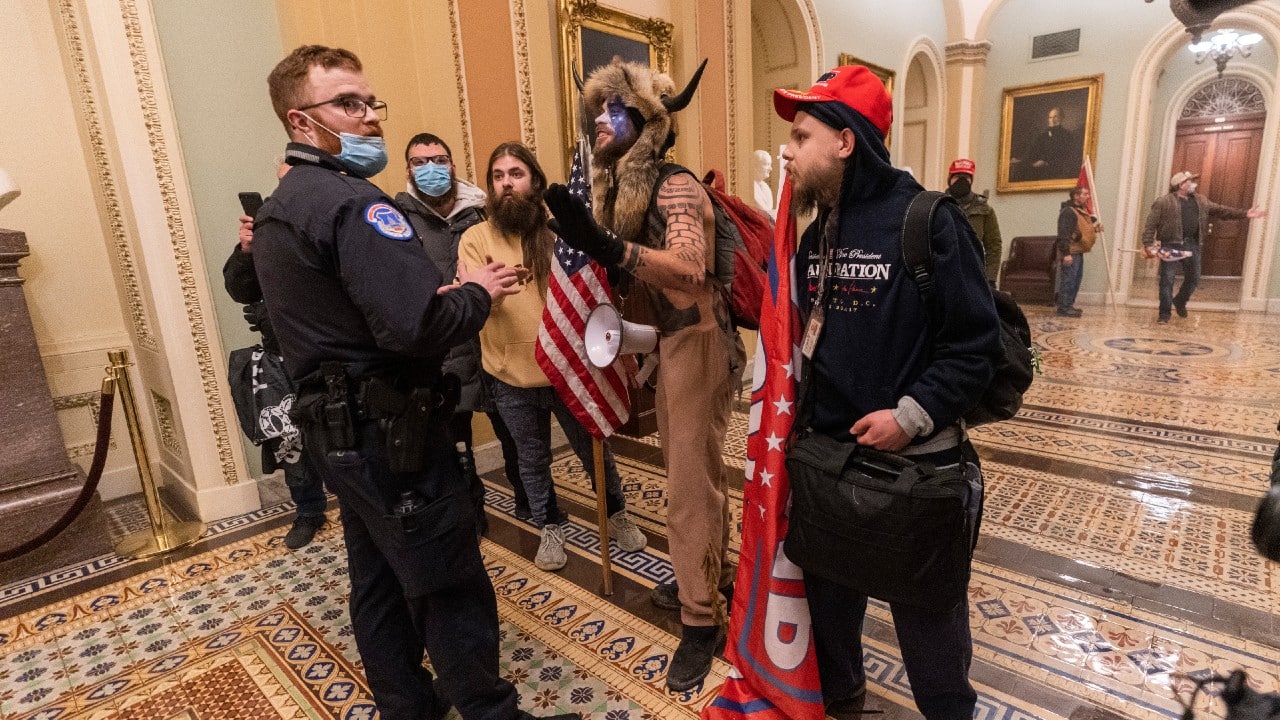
(38, 482)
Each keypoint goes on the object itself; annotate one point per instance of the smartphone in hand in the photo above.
(251, 203)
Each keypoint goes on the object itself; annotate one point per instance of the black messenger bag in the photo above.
(881, 524)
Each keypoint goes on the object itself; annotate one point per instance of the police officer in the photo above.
(364, 319)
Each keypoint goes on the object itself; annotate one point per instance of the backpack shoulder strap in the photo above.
(666, 170)
(917, 228)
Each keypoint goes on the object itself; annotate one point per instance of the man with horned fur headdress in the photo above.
(654, 220)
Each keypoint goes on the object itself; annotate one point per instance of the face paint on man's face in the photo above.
(620, 120)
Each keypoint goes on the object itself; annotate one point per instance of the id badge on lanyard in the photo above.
(817, 314)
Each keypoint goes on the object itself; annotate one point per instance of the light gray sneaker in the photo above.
(551, 550)
(623, 529)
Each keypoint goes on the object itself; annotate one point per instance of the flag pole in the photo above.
(602, 513)
(1097, 211)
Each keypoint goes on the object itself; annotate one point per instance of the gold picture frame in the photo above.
(1035, 154)
(591, 35)
(885, 74)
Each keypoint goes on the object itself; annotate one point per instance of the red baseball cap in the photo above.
(853, 85)
(962, 166)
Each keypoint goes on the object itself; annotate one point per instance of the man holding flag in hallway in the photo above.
(874, 373)
(1078, 229)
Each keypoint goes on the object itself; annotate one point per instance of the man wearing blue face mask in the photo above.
(441, 206)
(364, 321)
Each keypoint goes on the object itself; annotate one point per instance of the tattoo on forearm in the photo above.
(681, 204)
(633, 258)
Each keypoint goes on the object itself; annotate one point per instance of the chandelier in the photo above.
(1224, 45)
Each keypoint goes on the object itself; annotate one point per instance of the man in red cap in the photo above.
(982, 217)
(876, 373)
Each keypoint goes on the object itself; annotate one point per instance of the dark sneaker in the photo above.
(303, 530)
(522, 512)
(1164, 320)
(1181, 309)
(691, 661)
(667, 595)
(1073, 312)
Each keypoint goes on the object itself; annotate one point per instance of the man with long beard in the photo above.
(516, 233)
(656, 222)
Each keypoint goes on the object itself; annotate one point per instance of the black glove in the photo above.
(574, 223)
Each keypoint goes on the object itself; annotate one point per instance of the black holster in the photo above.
(335, 413)
(407, 418)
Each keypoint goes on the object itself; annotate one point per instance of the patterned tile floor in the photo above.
(1114, 568)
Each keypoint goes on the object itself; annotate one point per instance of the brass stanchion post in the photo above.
(165, 534)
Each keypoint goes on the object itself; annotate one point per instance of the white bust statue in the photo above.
(763, 194)
(8, 189)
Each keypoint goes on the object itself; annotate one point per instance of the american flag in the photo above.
(775, 670)
(597, 398)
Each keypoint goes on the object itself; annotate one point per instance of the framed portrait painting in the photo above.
(1046, 131)
(592, 35)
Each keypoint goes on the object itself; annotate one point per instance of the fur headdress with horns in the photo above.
(621, 192)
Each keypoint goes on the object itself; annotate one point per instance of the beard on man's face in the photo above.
(516, 213)
(613, 152)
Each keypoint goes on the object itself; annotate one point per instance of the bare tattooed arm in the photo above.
(681, 265)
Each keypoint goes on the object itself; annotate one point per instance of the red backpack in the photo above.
(743, 238)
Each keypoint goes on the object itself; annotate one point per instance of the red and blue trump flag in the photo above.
(596, 397)
(775, 671)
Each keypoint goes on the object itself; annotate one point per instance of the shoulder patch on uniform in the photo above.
(388, 221)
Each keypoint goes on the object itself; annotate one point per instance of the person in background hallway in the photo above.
(516, 233)
(441, 206)
(881, 376)
(364, 321)
(285, 452)
(1176, 230)
(1077, 231)
(982, 217)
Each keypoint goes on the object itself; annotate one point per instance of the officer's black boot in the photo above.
(692, 659)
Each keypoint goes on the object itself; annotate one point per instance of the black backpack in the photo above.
(1015, 367)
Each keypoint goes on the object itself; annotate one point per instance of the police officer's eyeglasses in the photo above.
(433, 159)
(354, 107)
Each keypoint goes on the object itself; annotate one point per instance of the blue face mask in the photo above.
(433, 179)
(364, 156)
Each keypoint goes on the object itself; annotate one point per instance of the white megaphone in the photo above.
(607, 336)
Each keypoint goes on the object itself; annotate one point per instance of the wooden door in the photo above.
(1225, 152)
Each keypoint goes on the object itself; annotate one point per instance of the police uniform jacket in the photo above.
(346, 279)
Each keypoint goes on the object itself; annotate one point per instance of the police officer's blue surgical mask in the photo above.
(432, 179)
(365, 156)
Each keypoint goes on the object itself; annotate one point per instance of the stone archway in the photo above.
(1139, 144)
(786, 51)
(920, 110)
